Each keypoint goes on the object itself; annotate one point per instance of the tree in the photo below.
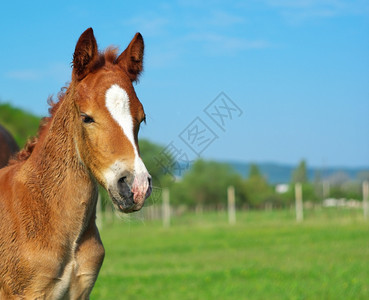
(363, 176)
(151, 156)
(254, 171)
(206, 184)
(300, 173)
(311, 191)
(256, 188)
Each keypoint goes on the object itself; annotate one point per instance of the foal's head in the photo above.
(110, 115)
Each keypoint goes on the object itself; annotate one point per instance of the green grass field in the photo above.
(266, 255)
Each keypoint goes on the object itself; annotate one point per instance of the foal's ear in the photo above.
(84, 54)
(131, 60)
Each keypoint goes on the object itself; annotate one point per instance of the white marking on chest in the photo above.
(118, 105)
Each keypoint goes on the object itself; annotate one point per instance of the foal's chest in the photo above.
(62, 283)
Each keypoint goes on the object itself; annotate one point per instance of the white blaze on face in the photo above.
(117, 103)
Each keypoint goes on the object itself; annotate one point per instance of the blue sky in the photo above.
(297, 70)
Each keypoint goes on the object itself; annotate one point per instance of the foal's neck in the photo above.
(65, 184)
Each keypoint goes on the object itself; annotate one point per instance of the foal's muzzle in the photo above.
(130, 192)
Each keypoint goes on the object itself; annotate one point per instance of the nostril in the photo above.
(149, 179)
(122, 180)
(123, 187)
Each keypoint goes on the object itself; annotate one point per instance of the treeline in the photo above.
(205, 183)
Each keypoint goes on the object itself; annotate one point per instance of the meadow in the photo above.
(266, 255)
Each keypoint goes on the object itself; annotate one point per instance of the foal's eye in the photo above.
(87, 119)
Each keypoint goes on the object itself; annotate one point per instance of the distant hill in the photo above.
(21, 124)
(281, 173)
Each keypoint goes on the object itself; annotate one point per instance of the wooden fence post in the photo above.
(326, 189)
(366, 199)
(166, 208)
(99, 213)
(299, 204)
(231, 205)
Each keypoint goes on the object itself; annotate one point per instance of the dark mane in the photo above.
(109, 56)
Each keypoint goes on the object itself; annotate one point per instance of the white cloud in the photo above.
(222, 18)
(24, 74)
(56, 71)
(215, 19)
(149, 25)
(209, 29)
(297, 11)
(224, 44)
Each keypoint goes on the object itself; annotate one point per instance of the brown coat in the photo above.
(50, 247)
